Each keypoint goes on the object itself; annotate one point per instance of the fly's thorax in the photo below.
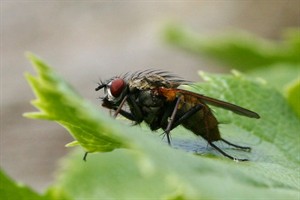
(150, 82)
(149, 98)
(152, 106)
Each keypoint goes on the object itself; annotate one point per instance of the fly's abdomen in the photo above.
(202, 123)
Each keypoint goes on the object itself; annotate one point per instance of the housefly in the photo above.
(153, 96)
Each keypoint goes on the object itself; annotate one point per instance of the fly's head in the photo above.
(115, 89)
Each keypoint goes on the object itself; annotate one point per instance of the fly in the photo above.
(153, 96)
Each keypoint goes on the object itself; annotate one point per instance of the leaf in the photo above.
(239, 50)
(276, 62)
(293, 95)
(286, 79)
(278, 75)
(268, 102)
(142, 166)
(9, 189)
(57, 101)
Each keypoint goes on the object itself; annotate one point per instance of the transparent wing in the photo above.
(211, 101)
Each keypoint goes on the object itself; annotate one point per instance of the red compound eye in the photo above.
(117, 87)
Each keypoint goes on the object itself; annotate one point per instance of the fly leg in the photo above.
(191, 112)
(237, 146)
(210, 142)
(85, 155)
(129, 116)
(126, 114)
(136, 111)
(170, 123)
(119, 110)
(173, 124)
(138, 117)
(120, 106)
(225, 154)
(187, 115)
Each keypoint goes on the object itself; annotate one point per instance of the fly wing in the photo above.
(218, 103)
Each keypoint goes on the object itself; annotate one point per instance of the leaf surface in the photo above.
(144, 166)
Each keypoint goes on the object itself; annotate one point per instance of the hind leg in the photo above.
(225, 154)
(237, 146)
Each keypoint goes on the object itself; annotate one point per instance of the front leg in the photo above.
(118, 109)
(127, 115)
(136, 112)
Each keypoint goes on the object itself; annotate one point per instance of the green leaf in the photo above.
(293, 95)
(239, 50)
(279, 75)
(57, 101)
(276, 62)
(278, 124)
(9, 189)
(143, 166)
(285, 78)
